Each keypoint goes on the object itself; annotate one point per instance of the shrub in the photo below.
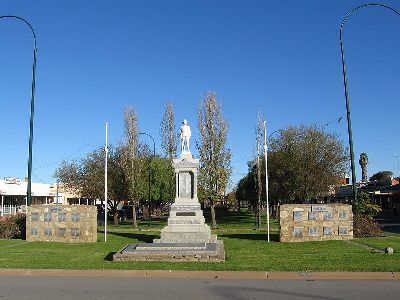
(20, 220)
(365, 226)
(13, 227)
(365, 207)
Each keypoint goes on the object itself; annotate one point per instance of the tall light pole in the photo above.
(32, 110)
(346, 94)
(154, 154)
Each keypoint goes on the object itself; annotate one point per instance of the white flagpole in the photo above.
(266, 174)
(105, 186)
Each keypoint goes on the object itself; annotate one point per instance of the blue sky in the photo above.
(279, 57)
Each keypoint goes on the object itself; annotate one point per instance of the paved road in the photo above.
(102, 288)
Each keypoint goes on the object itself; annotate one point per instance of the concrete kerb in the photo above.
(206, 274)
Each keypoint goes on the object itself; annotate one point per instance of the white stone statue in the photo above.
(185, 137)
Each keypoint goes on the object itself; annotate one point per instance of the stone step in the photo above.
(170, 246)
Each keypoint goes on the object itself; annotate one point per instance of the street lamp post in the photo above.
(346, 94)
(29, 189)
(154, 154)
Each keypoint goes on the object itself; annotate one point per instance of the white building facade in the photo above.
(13, 195)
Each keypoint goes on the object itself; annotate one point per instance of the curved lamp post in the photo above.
(29, 189)
(154, 154)
(353, 173)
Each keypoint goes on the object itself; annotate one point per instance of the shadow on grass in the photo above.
(109, 256)
(273, 237)
(146, 238)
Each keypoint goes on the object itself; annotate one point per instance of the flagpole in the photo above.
(266, 174)
(105, 186)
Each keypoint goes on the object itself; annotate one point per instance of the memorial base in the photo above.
(202, 252)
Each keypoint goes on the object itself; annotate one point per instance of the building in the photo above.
(13, 195)
(385, 193)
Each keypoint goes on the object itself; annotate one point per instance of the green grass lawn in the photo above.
(246, 250)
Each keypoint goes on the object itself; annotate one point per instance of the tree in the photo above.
(365, 210)
(304, 163)
(215, 157)
(169, 138)
(87, 177)
(163, 181)
(258, 165)
(382, 175)
(132, 165)
(69, 174)
(117, 181)
(245, 189)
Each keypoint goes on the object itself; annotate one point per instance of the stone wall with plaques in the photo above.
(315, 222)
(61, 223)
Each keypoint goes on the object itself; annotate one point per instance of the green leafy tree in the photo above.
(304, 163)
(163, 183)
(365, 207)
(365, 210)
(87, 177)
(215, 157)
(382, 176)
(245, 191)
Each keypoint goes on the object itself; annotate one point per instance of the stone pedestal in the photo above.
(186, 220)
(186, 237)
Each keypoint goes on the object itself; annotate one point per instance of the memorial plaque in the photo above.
(312, 215)
(55, 209)
(186, 214)
(343, 215)
(298, 231)
(297, 216)
(34, 216)
(327, 216)
(328, 231)
(47, 217)
(62, 217)
(343, 230)
(184, 207)
(75, 217)
(75, 232)
(319, 208)
(47, 232)
(62, 231)
(313, 231)
(185, 185)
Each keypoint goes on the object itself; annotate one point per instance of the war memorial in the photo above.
(186, 236)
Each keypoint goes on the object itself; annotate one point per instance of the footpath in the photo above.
(206, 274)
